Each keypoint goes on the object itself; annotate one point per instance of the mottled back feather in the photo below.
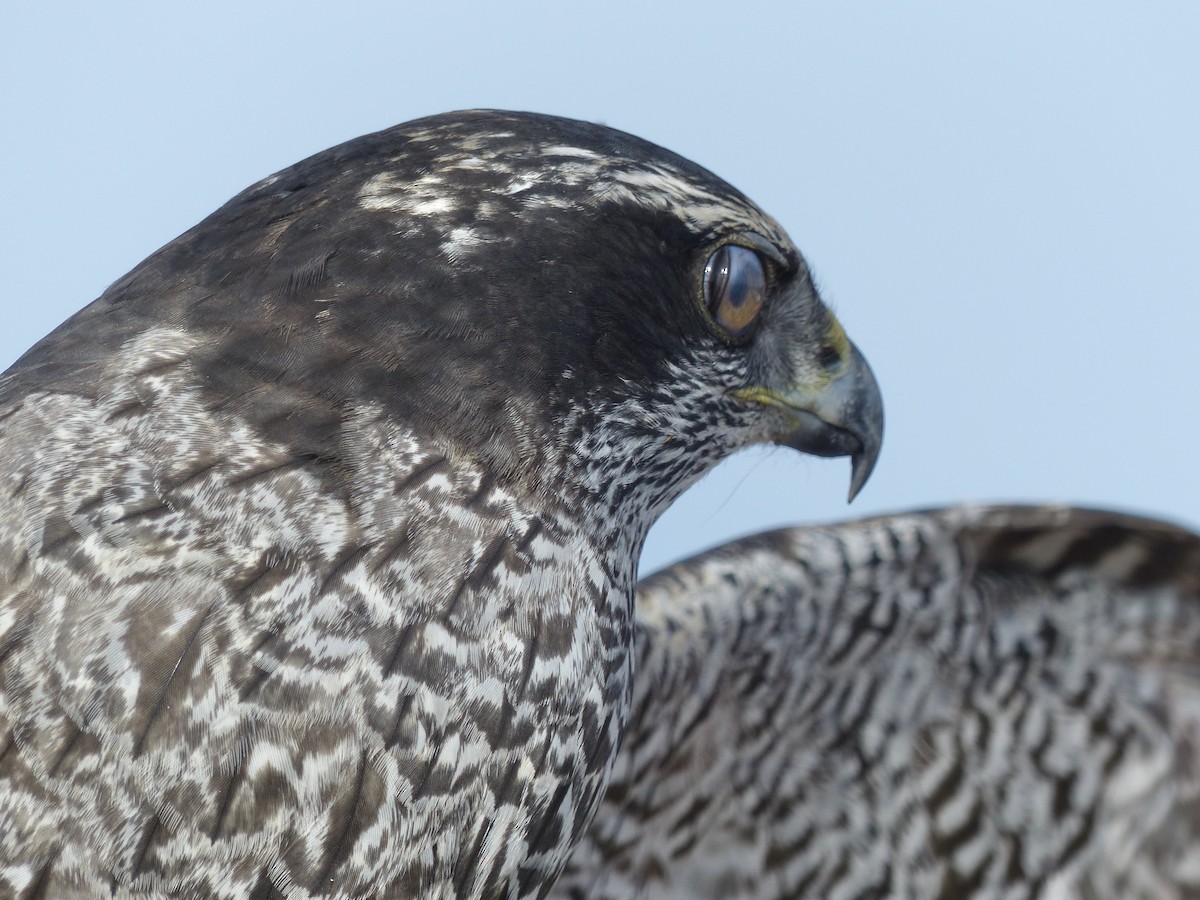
(994, 702)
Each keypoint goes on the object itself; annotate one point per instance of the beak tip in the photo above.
(861, 465)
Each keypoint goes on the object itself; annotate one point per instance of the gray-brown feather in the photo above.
(270, 712)
(980, 703)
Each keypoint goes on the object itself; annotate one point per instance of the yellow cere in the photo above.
(757, 394)
(837, 338)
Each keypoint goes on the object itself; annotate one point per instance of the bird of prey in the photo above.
(317, 560)
(320, 527)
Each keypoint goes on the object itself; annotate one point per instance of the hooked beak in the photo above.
(842, 417)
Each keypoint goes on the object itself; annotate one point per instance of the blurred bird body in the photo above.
(993, 703)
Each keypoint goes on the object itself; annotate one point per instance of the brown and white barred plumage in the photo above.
(254, 731)
(991, 703)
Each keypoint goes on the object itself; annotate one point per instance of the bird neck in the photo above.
(629, 461)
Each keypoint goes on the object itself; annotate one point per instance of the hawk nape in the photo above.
(317, 557)
(320, 527)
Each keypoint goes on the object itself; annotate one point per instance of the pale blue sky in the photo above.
(1002, 201)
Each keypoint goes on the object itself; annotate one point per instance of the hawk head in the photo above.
(571, 307)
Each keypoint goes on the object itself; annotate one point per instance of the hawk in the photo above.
(318, 551)
(320, 527)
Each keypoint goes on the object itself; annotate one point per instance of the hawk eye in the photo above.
(735, 286)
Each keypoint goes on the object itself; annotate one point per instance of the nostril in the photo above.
(829, 358)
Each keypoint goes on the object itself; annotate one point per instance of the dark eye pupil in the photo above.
(739, 286)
